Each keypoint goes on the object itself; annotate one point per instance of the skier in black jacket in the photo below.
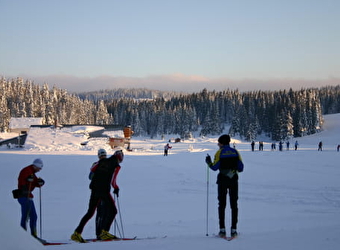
(102, 179)
(229, 163)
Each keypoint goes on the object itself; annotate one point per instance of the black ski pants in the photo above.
(101, 212)
(225, 186)
(109, 207)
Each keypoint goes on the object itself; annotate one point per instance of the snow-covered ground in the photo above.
(287, 200)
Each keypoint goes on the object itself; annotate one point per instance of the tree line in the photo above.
(277, 114)
(23, 98)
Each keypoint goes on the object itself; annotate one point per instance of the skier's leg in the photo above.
(94, 199)
(33, 218)
(23, 201)
(222, 202)
(99, 217)
(233, 195)
(110, 212)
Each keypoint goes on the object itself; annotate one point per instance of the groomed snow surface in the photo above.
(287, 200)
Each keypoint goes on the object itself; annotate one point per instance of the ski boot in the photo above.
(222, 233)
(77, 237)
(105, 235)
(233, 233)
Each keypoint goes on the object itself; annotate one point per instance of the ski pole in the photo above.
(116, 228)
(120, 216)
(40, 211)
(207, 219)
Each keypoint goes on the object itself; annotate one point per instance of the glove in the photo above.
(41, 182)
(116, 191)
(30, 178)
(208, 160)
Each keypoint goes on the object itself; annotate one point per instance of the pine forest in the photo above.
(279, 115)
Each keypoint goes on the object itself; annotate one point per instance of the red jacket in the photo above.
(24, 185)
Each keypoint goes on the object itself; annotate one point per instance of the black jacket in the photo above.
(102, 178)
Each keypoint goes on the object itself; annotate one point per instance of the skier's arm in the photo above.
(114, 179)
(22, 179)
(240, 165)
(26, 178)
(216, 164)
(92, 170)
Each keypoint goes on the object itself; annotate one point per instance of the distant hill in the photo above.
(138, 93)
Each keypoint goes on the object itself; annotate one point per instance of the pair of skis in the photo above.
(52, 243)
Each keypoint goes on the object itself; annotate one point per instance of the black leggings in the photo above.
(110, 210)
(224, 187)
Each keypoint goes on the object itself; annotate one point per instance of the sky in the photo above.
(183, 45)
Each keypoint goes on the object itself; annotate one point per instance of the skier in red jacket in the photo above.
(166, 149)
(103, 178)
(27, 182)
(101, 208)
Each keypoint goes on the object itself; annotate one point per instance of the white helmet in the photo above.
(38, 163)
(101, 152)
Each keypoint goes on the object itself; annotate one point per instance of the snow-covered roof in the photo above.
(24, 122)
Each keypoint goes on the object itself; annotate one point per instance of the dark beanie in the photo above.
(224, 139)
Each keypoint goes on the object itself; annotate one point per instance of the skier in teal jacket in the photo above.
(229, 163)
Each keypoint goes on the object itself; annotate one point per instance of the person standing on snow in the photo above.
(27, 182)
(280, 145)
(166, 149)
(101, 206)
(104, 176)
(252, 146)
(229, 163)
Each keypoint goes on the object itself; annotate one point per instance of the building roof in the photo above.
(24, 122)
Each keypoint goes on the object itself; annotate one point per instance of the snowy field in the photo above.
(287, 200)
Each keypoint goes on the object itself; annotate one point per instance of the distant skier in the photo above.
(320, 146)
(287, 144)
(338, 148)
(280, 145)
(261, 146)
(252, 146)
(296, 145)
(229, 163)
(27, 182)
(102, 179)
(166, 149)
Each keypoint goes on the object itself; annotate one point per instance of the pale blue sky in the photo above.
(177, 43)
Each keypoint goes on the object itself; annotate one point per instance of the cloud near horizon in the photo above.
(177, 82)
